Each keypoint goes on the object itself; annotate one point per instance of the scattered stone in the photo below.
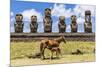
(77, 52)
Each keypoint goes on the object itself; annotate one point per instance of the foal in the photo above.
(55, 49)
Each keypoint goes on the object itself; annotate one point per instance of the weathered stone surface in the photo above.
(33, 24)
(47, 21)
(73, 24)
(88, 24)
(40, 36)
(19, 23)
(61, 24)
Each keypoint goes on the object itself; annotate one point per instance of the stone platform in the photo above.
(40, 36)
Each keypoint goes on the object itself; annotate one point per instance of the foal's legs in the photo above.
(57, 55)
(58, 52)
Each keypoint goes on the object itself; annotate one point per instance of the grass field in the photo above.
(19, 50)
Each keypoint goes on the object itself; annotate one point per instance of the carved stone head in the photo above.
(87, 12)
(88, 16)
(19, 17)
(34, 18)
(73, 18)
(47, 12)
(62, 18)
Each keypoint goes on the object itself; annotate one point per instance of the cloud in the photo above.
(12, 20)
(11, 14)
(80, 9)
(29, 12)
(12, 29)
(60, 10)
(40, 27)
(80, 20)
(55, 26)
(68, 28)
(27, 18)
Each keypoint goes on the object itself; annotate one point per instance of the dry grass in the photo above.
(21, 49)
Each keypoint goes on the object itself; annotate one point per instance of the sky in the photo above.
(29, 8)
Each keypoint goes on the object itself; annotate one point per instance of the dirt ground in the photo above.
(63, 59)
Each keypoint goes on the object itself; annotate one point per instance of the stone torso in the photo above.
(47, 23)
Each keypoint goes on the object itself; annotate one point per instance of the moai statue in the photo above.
(34, 24)
(19, 23)
(47, 21)
(73, 24)
(61, 24)
(87, 23)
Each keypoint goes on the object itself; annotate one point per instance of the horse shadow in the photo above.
(39, 57)
(54, 58)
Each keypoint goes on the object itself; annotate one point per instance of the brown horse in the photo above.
(49, 44)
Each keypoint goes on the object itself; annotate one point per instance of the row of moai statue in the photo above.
(47, 20)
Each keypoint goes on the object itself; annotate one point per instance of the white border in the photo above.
(5, 33)
(65, 1)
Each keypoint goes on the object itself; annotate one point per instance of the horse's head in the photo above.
(63, 39)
